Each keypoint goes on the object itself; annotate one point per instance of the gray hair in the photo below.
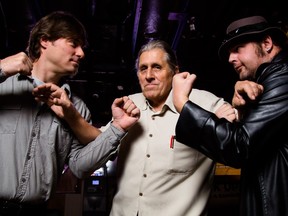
(170, 55)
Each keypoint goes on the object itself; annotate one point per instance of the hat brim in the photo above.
(244, 37)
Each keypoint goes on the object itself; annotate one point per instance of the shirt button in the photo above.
(153, 118)
(144, 175)
(150, 135)
(148, 155)
(140, 194)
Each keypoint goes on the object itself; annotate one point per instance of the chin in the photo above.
(73, 73)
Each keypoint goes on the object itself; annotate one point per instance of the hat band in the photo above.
(245, 29)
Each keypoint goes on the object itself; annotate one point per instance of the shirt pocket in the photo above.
(9, 118)
(60, 137)
(184, 159)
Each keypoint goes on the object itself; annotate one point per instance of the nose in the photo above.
(231, 57)
(80, 52)
(149, 73)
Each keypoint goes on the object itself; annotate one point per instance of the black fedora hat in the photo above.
(245, 29)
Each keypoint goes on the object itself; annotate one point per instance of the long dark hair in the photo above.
(58, 24)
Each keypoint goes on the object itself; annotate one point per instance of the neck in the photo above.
(156, 105)
(275, 50)
(42, 73)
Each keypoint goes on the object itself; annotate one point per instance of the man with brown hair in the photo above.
(35, 143)
(258, 142)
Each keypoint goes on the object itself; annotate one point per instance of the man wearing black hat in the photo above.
(258, 142)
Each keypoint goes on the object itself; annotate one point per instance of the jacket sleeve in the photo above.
(213, 137)
(253, 138)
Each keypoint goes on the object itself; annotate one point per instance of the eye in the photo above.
(73, 43)
(156, 68)
(142, 69)
(235, 49)
(238, 47)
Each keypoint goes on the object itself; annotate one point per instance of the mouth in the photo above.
(149, 86)
(75, 63)
(238, 69)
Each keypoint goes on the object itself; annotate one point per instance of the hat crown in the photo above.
(248, 21)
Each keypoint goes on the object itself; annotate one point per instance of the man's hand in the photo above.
(18, 63)
(245, 91)
(56, 98)
(182, 87)
(125, 113)
(227, 111)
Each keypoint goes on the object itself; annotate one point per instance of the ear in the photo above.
(44, 42)
(267, 44)
(177, 70)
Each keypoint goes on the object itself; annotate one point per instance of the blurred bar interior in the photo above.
(116, 30)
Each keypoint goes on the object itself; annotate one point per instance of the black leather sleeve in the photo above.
(262, 131)
(213, 137)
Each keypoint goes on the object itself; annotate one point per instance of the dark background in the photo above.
(117, 28)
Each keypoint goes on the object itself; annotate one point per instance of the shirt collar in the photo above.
(36, 82)
(167, 105)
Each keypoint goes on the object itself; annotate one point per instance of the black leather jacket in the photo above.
(258, 144)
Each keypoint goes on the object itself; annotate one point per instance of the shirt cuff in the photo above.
(117, 132)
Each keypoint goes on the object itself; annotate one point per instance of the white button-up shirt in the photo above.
(159, 176)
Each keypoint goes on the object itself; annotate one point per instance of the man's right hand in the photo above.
(125, 113)
(182, 87)
(18, 63)
(245, 91)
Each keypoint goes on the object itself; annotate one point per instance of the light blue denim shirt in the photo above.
(35, 144)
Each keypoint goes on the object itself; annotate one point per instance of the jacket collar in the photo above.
(281, 57)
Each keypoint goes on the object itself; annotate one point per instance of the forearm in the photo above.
(84, 131)
(86, 159)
